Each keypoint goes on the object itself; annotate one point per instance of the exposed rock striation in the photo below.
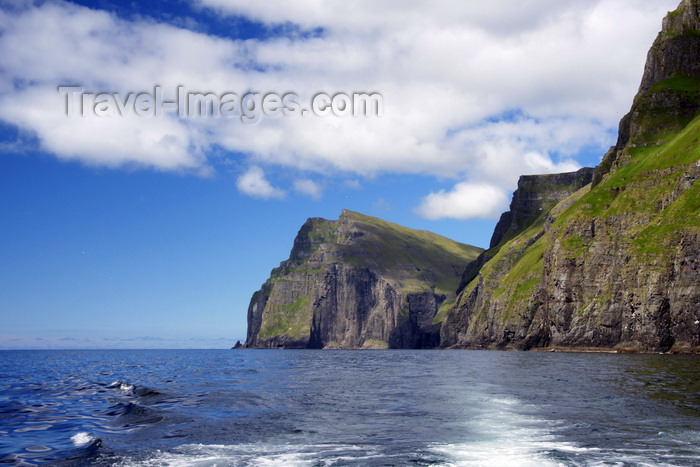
(616, 265)
(358, 282)
(668, 97)
(535, 195)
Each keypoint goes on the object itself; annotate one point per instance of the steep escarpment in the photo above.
(607, 258)
(535, 195)
(534, 198)
(358, 282)
(668, 97)
(616, 264)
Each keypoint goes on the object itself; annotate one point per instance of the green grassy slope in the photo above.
(418, 260)
(412, 260)
(651, 199)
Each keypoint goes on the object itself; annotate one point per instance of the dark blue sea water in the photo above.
(318, 408)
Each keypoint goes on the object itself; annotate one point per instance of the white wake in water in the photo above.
(263, 455)
(500, 436)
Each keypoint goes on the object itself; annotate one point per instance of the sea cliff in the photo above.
(617, 263)
(358, 282)
(604, 258)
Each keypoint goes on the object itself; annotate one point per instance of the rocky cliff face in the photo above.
(537, 194)
(616, 265)
(613, 263)
(535, 197)
(358, 282)
(668, 97)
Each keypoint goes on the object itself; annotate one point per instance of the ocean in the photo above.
(333, 408)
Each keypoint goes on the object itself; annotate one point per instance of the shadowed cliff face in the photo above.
(616, 265)
(358, 282)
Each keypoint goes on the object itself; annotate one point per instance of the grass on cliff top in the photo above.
(417, 259)
(641, 188)
(637, 185)
(413, 237)
(678, 83)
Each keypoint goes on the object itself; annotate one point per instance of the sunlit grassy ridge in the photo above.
(417, 260)
(652, 175)
(648, 195)
(412, 260)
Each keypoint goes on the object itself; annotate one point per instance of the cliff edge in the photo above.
(358, 282)
(617, 263)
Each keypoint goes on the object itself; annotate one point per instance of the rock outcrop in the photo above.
(668, 97)
(537, 194)
(358, 282)
(534, 198)
(615, 265)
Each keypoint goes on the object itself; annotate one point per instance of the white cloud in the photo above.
(466, 200)
(254, 183)
(450, 74)
(105, 141)
(309, 188)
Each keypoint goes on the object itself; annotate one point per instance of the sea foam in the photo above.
(81, 439)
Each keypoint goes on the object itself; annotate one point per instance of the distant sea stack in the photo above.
(358, 282)
(615, 265)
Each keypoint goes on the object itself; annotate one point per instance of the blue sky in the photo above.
(155, 231)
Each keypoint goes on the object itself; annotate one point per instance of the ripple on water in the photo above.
(38, 449)
(26, 429)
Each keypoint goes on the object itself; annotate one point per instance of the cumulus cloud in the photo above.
(472, 92)
(254, 183)
(102, 141)
(465, 201)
